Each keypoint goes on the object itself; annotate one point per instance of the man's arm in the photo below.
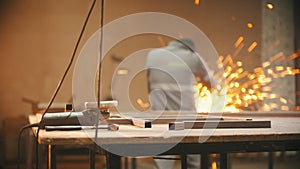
(203, 74)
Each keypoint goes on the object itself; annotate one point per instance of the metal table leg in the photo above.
(113, 161)
(204, 161)
(133, 163)
(223, 161)
(126, 162)
(29, 150)
(51, 157)
(92, 158)
(270, 161)
(183, 161)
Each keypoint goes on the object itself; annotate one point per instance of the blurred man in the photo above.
(172, 73)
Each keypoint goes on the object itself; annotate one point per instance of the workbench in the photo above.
(283, 135)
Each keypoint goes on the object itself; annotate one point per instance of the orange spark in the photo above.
(250, 25)
(269, 6)
(239, 41)
(266, 64)
(197, 2)
(252, 46)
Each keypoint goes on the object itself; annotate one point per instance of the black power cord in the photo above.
(19, 140)
(55, 92)
(99, 79)
(63, 78)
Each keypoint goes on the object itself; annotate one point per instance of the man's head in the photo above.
(188, 43)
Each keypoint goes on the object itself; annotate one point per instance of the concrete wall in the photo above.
(278, 44)
(37, 39)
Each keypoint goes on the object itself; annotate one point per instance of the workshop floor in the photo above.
(290, 160)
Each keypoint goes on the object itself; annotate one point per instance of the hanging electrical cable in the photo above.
(99, 78)
(55, 92)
